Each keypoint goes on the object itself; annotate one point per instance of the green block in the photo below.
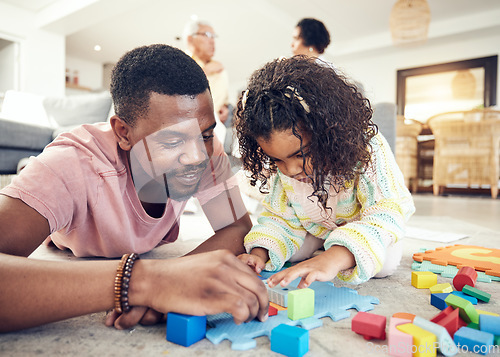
(496, 340)
(473, 325)
(300, 304)
(478, 294)
(467, 311)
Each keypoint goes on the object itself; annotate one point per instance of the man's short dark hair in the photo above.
(155, 68)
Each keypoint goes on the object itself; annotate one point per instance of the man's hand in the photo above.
(202, 284)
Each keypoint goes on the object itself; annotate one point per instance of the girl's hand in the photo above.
(323, 267)
(253, 261)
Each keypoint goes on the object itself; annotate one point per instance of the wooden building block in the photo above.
(465, 276)
(272, 311)
(489, 323)
(437, 300)
(441, 288)
(369, 325)
(467, 311)
(482, 312)
(300, 304)
(404, 315)
(423, 279)
(475, 340)
(279, 294)
(276, 306)
(449, 318)
(475, 292)
(400, 343)
(423, 340)
(461, 294)
(185, 330)
(290, 341)
(445, 343)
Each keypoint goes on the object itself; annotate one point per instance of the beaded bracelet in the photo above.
(122, 281)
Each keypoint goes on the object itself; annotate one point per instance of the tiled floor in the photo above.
(474, 209)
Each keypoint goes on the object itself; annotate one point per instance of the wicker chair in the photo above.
(407, 131)
(466, 149)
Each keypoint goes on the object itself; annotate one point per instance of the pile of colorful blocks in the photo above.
(458, 327)
(288, 340)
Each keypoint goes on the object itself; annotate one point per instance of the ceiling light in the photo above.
(409, 21)
(97, 48)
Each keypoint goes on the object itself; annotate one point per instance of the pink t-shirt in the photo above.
(81, 185)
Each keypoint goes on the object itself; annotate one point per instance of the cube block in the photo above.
(465, 276)
(441, 288)
(467, 311)
(475, 340)
(300, 304)
(489, 323)
(185, 330)
(272, 311)
(369, 325)
(290, 341)
(423, 340)
(475, 292)
(423, 279)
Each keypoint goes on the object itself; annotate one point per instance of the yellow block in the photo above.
(441, 288)
(423, 279)
(424, 342)
(486, 313)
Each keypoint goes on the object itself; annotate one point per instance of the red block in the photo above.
(369, 326)
(272, 311)
(465, 276)
(450, 320)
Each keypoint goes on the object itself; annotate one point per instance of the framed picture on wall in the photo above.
(463, 85)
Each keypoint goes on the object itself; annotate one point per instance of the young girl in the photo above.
(307, 138)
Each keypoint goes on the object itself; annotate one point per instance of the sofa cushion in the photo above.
(17, 135)
(25, 108)
(75, 110)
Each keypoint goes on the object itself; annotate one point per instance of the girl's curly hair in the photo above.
(310, 98)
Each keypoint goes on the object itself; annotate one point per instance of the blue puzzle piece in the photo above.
(329, 301)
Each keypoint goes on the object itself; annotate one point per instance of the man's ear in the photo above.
(122, 132)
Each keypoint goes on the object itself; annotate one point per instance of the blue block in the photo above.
(185, 330)
(489, 323)
(437, 300)
(468, 339)
(290, 341)
(472, 299)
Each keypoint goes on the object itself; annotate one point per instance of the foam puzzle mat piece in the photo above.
(459, 255)
(449, 271)
(330, 301)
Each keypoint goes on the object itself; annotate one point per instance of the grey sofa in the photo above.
(30, 122)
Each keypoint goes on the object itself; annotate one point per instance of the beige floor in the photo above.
(477, 217)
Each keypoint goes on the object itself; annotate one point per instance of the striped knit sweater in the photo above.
(365, 218)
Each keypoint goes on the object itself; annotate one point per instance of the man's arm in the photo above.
(230, 237)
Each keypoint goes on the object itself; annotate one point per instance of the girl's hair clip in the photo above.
(298, 97)
(244, 99)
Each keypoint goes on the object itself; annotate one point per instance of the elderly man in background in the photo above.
(200, 39)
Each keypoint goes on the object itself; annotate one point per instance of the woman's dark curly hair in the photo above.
(314, 33)
(314, 101)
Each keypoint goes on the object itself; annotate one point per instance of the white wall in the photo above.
(377, 69)
(42, 53)
(90, 74)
